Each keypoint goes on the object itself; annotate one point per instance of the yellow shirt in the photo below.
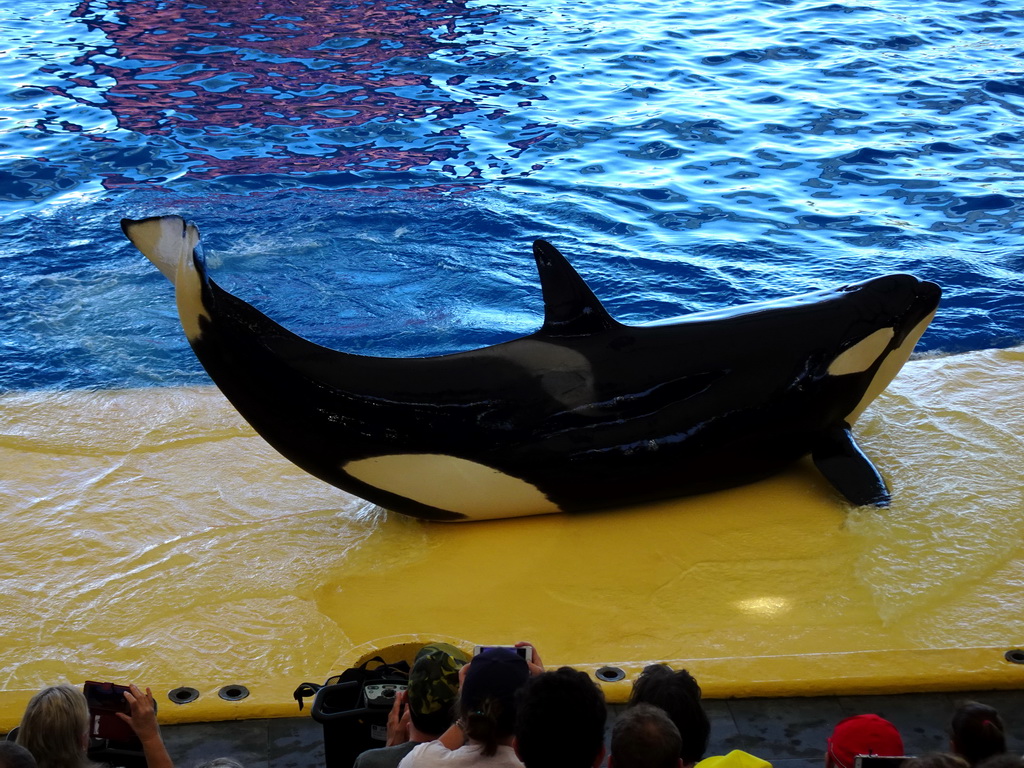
(735, 759)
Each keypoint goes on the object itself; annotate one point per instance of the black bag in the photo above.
(353, 708)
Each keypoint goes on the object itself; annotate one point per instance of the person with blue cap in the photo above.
(483, 734)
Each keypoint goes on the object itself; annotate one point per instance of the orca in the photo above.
(585, 413)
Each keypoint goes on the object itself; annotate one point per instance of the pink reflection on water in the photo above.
(275, 86)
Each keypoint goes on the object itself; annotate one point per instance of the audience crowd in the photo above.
(502, 709)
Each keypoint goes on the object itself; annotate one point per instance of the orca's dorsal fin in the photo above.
(838, 457)
(570, 307)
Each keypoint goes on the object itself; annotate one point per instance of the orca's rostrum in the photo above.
(585, 413)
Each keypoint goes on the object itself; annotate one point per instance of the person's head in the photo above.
(55, 727)
(560, 721)
(14, 755)
(678, 693)
(644, 737)
(862, 735)
(977, 732)
(1005, 760)
(221, 762)
(935, 760)
(434, 687)
(487, 701)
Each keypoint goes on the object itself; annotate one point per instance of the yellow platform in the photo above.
(150, 536)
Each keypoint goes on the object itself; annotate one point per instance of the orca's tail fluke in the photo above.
(164, 240)
(170, 243)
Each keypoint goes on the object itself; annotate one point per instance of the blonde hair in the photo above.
(221, 762)
(55, 728)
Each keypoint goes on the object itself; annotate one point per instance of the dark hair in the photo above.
(432, 723)
(644, 737)
(1005, 760)
(488, 722)
(15, 756)
(561, 720)
(487, 697)
(934, 760)
(678, 694)
(977, 732)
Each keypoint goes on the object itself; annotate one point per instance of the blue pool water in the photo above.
(371, 172)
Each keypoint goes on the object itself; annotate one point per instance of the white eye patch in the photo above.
(863, 354)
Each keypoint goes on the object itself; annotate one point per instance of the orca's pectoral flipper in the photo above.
(838, 457)
(570, 307)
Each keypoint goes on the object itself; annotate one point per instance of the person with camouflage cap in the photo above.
(425, 710)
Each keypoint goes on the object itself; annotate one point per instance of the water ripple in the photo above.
(832, 141)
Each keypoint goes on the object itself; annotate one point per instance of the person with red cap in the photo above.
(862, 735)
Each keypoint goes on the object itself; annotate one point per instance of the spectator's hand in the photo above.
(399, 720)
(143, 713)
(143, 722)
(536, 666)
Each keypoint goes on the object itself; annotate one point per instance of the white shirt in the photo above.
(435, 755)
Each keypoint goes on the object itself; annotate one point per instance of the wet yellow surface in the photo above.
(150, 536)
